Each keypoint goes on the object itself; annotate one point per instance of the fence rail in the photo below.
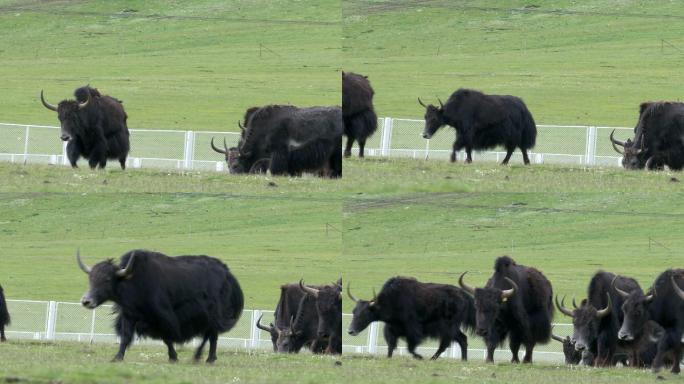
(188, 150)
(67, 321)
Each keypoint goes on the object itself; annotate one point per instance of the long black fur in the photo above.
(360, 119)
(5, 319)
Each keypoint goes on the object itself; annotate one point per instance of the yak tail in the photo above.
(361, 125)
(237, 303)
(529, 130)
(469, 319)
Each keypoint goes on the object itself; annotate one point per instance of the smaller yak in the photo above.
(288, 140)
(516, 302)
(169, 298)
(296, 322)
(662, 305)
(4, 315)
(483, 122)
(572, 355)
(94, 126)
(415, 310)
(329, 310)
(360, 120)
(658, 138)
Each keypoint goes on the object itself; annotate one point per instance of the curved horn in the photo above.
(557, 338)
(507, 293)
(354, 299)
(574, 305)
(85, 103)
(618, 290)
(263, 327)
(561, 307)
(240, 125)
(46, 104)
(605, 311)
(679, 291)
(126, 272)
(216, 148)
(614, 142)
(312, 291)
(465, 286)
(441, 105)
(421, 102)
(84, 267)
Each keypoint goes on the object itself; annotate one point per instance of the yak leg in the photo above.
(509, 152)
(453, 151)
(391, 340)
(462, 341)
(126, 333)
(443, 345)
(528, 353)
(2, 333)
(348, 148)
(198, 352)
(213, 341)
(515, 347)
(279, 163)
(122, 161)
(412, 344)
(526, 159)
(362, 145)
(469, 157)
(173, 356)
(490, 352)
(73, 150)
(98, 156)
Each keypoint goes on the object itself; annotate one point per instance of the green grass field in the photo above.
(197, 65)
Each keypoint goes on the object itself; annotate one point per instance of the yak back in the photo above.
(198, 293)
(105, 110)
(4, 313)
(662, 124)
(601, 283)
(291, 297)
(666, 308)
(531, 308)
(314, 123)
(357, 94)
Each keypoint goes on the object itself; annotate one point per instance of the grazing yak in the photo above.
(360, 120)
(516, 302)
(94, 126)
(658, 315)
(658, 138)
(597, 319)
(415, 310)
(296, 322)
(4, 315)
(289, 140)
(169, 298)
(483, 122)
(329, 310)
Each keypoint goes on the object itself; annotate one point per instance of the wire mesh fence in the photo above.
(159, 148)
(65, 321)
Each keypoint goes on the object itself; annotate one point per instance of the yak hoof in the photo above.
(117, 359)
(173, 360)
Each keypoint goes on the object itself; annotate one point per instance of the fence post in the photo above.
(253, 330)
(386, 136)
(590, 150)
(92, 327)
(188, 153)
(373, 338)
(26, 142)
(427, 149)
(51, 320)
(65, 159)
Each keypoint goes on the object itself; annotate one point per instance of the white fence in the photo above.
(151, 148)
(65, 321)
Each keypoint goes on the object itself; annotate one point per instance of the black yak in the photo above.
(94, 126)
(4, 315)
(483, 122)
(415, 310)
(360, 120)
(662, 305)
(329, 310)
(516, 302)
(289, 141)
(658, 138)
(169, 298)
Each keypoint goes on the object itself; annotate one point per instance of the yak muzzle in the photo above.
(481, 332)
(625, 336)
(65, 137)
(352, 332)
(88, 302)
(426, 135)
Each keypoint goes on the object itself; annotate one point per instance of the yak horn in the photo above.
(126, 272)
(441, 105)
(618, 290)
(85, 103)
(46, 104)
(263, 327)
(240, 125)
(574, 305)
(561, 307)
(614, 142)
(312, 291)
(216, 148)
(465, 286)
(421, 102)
(84, 267)
(506, 294)
(605, 311)
(354, 299)
(556, 337)
(679, 291)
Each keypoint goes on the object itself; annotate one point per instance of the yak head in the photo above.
(272, 330)
(232, 155)
(634, 155)
(364, 313)
(328, 305)
(488, 303)
(69, 113)
(636, 314)
(434, 118)
(103, 278)
(284, 339)
(585, 321)
(572, 355)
